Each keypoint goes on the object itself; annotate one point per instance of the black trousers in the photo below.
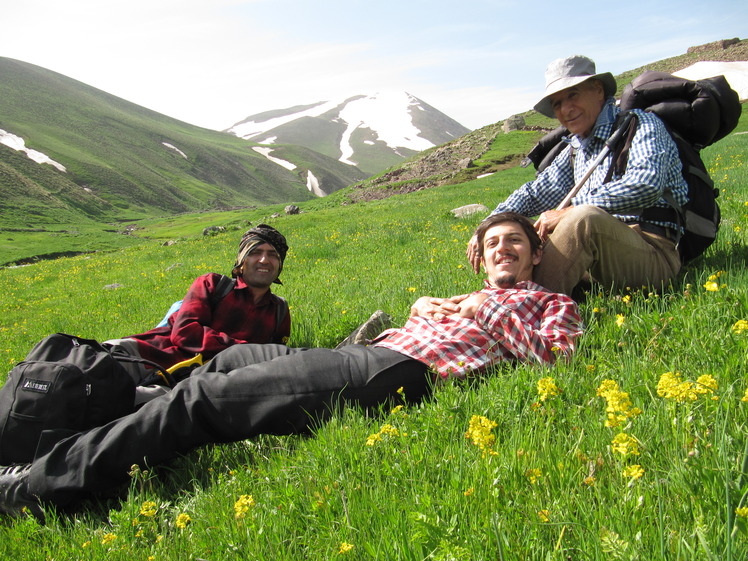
(244, 391)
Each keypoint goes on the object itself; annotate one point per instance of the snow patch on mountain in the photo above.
(177, 150)
(388, 115)
(267, 151)
(19, 144)
(312, 183)
(251, 129)
(736, 74)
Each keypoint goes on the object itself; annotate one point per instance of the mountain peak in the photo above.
(370, 131)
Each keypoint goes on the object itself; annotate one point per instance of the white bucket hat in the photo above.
(564, 73)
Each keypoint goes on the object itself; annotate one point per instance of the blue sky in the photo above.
(214, 62)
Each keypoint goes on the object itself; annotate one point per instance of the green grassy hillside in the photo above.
(123, 162)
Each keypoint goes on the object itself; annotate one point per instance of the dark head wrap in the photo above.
(260, 234)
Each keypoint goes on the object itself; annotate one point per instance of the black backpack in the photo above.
(697, 113)
(64, 385)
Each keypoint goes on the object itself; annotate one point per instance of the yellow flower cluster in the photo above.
(711, 284)
(547, 388)
(242, 506)
(480, 432)
(385, 431)
(619, 407)
(740, 327)
(672, 386)
(625, 445)
(148, 508)
(533, 474)
(345, 547)
(634, 471)
(183, 520)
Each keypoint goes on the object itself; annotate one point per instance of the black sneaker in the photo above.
(15, 498)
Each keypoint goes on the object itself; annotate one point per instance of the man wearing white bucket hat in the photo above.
(599, 232)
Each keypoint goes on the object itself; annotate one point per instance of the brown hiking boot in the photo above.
(364, 333)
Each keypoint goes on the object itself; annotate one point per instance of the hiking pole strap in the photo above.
(609, 145)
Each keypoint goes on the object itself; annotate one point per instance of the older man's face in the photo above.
(578, 107)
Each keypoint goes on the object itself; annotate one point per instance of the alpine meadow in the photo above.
(635, 449)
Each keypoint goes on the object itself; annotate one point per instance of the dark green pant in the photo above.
(244, 391)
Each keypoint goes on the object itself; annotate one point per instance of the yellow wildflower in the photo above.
(620, 320)
(547, 388)
(108, 538)
(633, 471)
(625, 445)
(672, 386)
(479, 432)
(182, 520)
(619, 405)
(745, 397)
(740, 327)
(389, 430)
(544, 515)
(372, 439)
(242, 506)
(345, 547)
(148, 508)
(533, 475)
(705, 384)
(711, 286)
(742, 511)
(469, 491)
(589, 481)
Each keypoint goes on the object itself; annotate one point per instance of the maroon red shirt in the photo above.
(199, 327)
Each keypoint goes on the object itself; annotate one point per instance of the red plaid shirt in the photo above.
(525, 323)
(199, 328)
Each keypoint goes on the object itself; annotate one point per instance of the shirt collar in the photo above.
(521, 285)
(602, 129)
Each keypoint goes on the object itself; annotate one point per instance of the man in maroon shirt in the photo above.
(218, 312)
(249, 390)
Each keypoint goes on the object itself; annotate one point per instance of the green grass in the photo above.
(548, 486)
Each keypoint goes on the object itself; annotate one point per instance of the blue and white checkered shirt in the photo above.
(653, 168)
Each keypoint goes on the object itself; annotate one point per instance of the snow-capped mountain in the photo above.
(371, 132)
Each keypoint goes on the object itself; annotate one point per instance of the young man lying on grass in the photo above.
(249, 389)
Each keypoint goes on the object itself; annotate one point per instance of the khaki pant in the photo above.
(616, 255)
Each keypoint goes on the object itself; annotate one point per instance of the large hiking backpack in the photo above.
(64, 385)
(697, 113)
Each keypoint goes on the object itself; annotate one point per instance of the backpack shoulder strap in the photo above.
(281, 312)
(224, 286)
(621, 149)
